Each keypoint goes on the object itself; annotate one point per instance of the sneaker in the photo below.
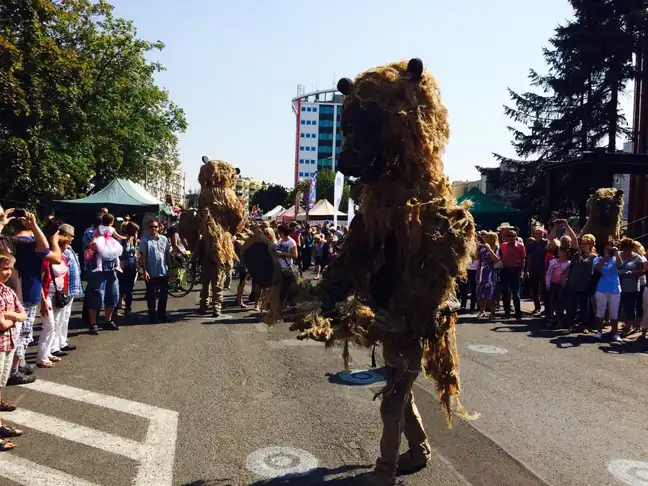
(20, 379)
(598, 335)
(28, 369)
(616, 338)
(93, 330)
(69, 347)
(59, 354)
(110, 326)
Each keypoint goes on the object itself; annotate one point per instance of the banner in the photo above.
(337, 189)
(351, 212)
(338, 186)
(312, 192)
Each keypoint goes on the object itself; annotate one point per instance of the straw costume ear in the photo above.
(415, 69)
(205, 159)
(344, 86)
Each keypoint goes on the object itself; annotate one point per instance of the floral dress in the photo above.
(486, 276)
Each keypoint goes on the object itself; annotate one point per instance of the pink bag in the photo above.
(89, 254)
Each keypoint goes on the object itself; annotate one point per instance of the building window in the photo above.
(303, 122)
(308, 109)
(338, 137)
(315, 111)
(303, 109)
(307, 122)
(301, 174)
(337, 149)
(315, 123)
(301, 147)
(302, 135)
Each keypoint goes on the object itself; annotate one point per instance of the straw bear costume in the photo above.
(393, 282)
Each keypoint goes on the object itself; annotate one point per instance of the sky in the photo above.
(234, 67)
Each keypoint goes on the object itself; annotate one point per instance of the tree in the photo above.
(78, 102)
(269, 197)
(575, 106)
(325, 190)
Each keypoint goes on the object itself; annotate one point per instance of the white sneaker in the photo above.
(598, 335)
(617, 338)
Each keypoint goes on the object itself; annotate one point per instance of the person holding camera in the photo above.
(30, 247)
(608, 291)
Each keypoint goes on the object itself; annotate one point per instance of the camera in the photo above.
(19, 213)
(52, 226)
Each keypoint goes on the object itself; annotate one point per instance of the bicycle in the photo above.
(181, 276)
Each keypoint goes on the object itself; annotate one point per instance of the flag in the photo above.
(312, 192)
(351, 212)
(337, 189)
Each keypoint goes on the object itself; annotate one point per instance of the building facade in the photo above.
(459, 188)
(246, 188)
(162, 186)
(318, 136)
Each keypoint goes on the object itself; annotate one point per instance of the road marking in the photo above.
(361, 377)
(156, 454)
(632, 473)
(29, 473)
(275, 462)
(75, 433)
(485, 348)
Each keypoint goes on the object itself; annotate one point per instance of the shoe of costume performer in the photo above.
(411, 462)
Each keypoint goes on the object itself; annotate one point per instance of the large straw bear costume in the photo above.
(604, 210)
(220, 214)
(393, 282)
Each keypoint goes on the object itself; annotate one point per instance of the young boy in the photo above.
(11, 311)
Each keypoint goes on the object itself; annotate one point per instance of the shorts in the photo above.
(6, 363)
(26, 333)
(628, 308)
(609, 302)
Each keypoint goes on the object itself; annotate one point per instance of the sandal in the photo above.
(6, 406)
(7, 432)
(6, 445)
(45, 364)
(54, 359)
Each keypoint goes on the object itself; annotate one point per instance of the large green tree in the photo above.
(269, 197)
(574, 106)
(78, 101)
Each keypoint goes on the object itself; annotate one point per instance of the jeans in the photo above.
(160, 285)
(127, 283)
(510, 280)
(581, 300)
(103, 289)
(538, 288)
(469, 285)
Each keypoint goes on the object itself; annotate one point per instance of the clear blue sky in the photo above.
(234, 66)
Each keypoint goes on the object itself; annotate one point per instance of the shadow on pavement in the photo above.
(228, 320)
(628, 347)
(319, 476)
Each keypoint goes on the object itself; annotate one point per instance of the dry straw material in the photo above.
(408, 241)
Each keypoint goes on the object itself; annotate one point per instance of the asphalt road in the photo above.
(232, 402)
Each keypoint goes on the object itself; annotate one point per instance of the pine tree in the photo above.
(575, 105)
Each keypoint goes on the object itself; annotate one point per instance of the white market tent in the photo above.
(121, 195)
(324, 209)
(273, 213)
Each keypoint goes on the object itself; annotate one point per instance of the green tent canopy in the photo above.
(120, 196)
(489, 213)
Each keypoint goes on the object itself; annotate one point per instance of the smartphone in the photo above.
(19, 213)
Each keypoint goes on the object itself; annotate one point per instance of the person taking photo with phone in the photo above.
(608, 291)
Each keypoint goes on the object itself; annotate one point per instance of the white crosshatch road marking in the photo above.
(155, 454)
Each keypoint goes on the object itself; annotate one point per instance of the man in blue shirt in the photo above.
(30, 266)
(154, 249)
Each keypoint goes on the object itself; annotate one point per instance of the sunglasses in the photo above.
(154, 226)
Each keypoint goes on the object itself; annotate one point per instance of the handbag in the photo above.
(61, 297)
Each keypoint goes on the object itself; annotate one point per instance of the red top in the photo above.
(513, 255)
(47, 277)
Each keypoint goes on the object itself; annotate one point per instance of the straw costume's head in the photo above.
(604, 209)
(217, 173)
(395, 127)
